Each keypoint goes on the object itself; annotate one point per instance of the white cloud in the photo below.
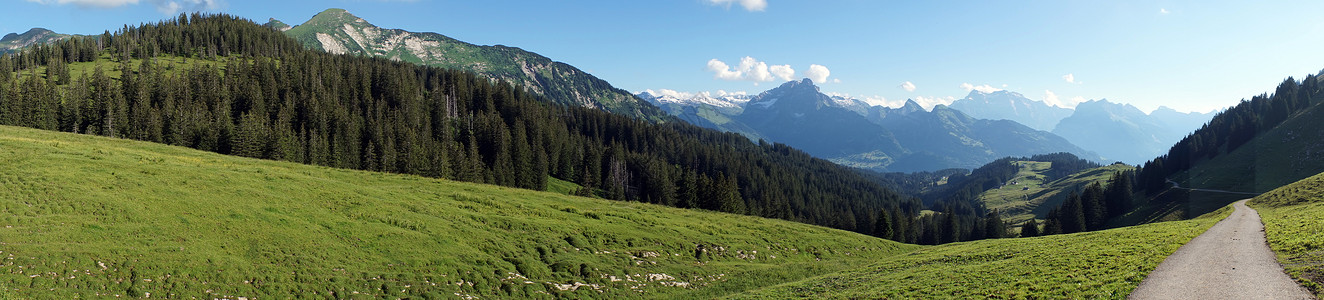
(750, 5)
(783, 72)
(1051, 99)
(818, 73)
(1070, 78)
(749, 69)
(929, 102)
(908, 86)
(981, 88)
(722, 71)
(1163, 11)
(755, 70)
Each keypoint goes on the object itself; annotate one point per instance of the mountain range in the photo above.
(1008, 105)
(1118, 132)
(14, 41)
(339, 32)
(851, 132)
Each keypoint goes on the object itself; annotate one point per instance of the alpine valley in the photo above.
(209, 156)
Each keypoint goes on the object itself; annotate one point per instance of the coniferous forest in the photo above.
(247, 90)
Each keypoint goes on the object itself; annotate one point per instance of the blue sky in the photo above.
(1189, 55)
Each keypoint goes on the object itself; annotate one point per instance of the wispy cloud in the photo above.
(908, 86)
(750, 5)
(981, 88)
(1051, 98)
(929, 102)
(172, 7)
(1163, 11)
(168, 7)
(1070, 78)
(88, 3)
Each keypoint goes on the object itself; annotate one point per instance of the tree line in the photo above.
(1087, 210)
(223, 84)
(1232, 128)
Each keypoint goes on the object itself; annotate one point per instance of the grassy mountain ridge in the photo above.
(95, 217)
(339, 32)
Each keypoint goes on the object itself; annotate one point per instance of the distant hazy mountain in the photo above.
(949, 138)
(1180, 122)
(338, 31)
(851, 132)
(1008, 105)
(1121, 132)
(13, 42)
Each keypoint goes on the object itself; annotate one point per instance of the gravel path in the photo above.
(1230, 261)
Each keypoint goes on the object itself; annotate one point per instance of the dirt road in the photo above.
(1229, 261)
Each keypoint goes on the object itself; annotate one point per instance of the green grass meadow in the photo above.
(1106, 264)
(1293, 217)
(93, 217)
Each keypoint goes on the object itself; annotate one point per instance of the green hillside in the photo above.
(1027, 195)
(1098, 264)
(1292, 217)
(95, 217)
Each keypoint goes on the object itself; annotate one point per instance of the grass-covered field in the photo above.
(1100, 264)
(1029, 196)
(92, 217)
(1293, 217)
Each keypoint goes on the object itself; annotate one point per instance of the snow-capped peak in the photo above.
(720, 98)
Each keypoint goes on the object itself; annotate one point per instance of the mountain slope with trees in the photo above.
(227, 85)
(339, 32)
(15, 42)
(1258, 145)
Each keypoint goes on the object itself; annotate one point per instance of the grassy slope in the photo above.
(1289, 152)
(1030, 197)
(1293, 218)
(87, 216)
(1100, 264)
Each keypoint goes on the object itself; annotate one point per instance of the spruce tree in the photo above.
(1030, 228)
(883, 226)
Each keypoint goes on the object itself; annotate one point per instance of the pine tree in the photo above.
(883, 226)
(1030, 228)
(994, 227)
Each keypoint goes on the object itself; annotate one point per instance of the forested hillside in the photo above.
(227, 85)
(1267, 155)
